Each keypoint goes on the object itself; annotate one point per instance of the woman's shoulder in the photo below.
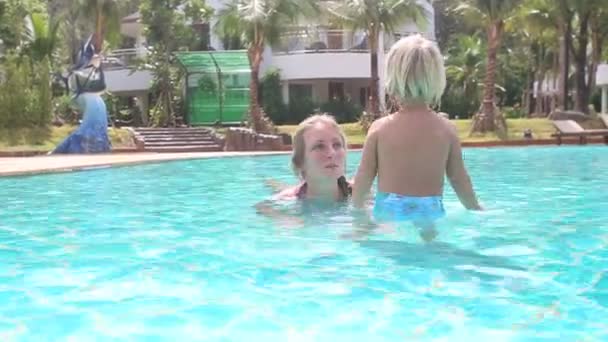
(290, 193)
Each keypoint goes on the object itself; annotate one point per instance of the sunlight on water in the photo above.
(177, 251)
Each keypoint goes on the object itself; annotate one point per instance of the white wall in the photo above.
(214, 41)
(602, 75)
(322, 65)
(122, 80)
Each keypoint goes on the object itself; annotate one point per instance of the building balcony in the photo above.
(121, 79)
(123, 58)
(321, 40)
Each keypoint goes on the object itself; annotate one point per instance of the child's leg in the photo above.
(427, 230)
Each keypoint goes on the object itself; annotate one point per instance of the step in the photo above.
(181, 143)
(171, 130)
(190, 148)
(180, 138)
(175, 136)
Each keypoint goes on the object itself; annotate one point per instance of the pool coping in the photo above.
(48, 164)
(490, 143)
(26, 165)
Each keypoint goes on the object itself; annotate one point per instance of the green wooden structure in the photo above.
(217, 86)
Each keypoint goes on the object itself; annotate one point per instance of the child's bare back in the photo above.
(411, 151)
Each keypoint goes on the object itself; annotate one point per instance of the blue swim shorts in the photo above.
(395, 207)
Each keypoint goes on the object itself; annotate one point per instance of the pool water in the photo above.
(176, 251)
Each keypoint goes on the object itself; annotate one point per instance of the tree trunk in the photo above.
(538, 112)
(565, 28)
(528, 94)
(596, 51)
(373, 46)
(166, 96)
(98, 36)
(486, 119)
(554, 97)
(581, 102)
(255, 115)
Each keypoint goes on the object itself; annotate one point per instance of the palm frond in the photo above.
(229, 23)
(269, 18)
(254, 11)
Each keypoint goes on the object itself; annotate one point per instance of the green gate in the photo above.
(217, 86)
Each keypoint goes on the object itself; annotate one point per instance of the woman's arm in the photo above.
(275, 185)
(267, 208)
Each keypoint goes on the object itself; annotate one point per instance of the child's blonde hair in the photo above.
(299, 148)
(414, 71)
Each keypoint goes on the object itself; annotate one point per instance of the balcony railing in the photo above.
(390, 39)
(123, 58)
(321, 40)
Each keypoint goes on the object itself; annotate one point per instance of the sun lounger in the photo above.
(569, 128)
(604, 118)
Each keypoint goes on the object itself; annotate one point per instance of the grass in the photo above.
(45, 139)
(541, 129)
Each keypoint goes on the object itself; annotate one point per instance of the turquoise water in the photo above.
(175, 251)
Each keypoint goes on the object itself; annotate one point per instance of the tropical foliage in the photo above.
(257, 24)
(504, 58)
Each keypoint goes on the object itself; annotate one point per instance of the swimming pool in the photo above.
(175, 251)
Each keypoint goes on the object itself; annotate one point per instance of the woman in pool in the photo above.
(319, 160)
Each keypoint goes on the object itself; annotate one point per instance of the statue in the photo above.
(86, 81)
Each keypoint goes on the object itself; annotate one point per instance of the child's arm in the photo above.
(458, 175)
(367, 167)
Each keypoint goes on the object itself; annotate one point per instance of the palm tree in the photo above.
(587, 33)
(599, 34)
(41, 38)
(107, 20)
(537, 21)
(493, 14)
(375, 17)
(464, 66)
(258, 23)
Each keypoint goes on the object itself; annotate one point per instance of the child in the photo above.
(413, 149)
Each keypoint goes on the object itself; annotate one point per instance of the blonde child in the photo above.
(411, 150)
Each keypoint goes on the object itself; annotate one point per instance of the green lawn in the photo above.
(45, 139)
(541, 128)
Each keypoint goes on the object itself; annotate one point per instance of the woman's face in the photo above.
(324, 153)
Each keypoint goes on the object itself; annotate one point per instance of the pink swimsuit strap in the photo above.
(345, 188)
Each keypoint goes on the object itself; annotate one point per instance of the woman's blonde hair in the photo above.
(299, 148)
(414, 71)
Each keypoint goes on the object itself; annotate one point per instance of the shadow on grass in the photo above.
(37, 135)
(25, 136)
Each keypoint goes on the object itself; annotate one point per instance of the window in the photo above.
(300, 91)
(364, 94)
(336, 91)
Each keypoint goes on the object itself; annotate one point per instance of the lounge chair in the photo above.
(569, 128)
(604, 118)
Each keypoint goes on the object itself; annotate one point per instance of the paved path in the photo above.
(65, 163)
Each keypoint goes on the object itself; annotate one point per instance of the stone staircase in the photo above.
(190, 139)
